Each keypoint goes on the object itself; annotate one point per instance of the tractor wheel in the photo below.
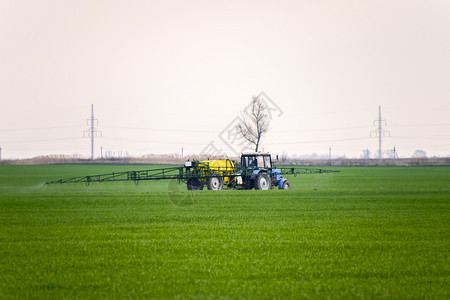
(194, 185)
(215, 182)
(263, 182)
(286, 185)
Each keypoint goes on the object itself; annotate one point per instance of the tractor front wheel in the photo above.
(215, 182)
(285, 185)
(194, 185)
(262, 182)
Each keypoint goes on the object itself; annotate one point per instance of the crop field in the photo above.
(378, 232)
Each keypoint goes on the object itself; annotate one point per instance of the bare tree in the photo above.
(419, 154)
(255, 122)
(366, 153)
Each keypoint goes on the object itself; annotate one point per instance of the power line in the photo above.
(323, 129)
(203, 143)
(319, 141)
(425, 137)
(218, 131)
(419, 125)
(40, 128)
(159, 129)
(41, 141)
(151, 142)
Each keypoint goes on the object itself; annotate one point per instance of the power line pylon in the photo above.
(395, 153)
(92, 132)
(380, 133)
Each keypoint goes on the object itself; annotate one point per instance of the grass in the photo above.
(363, 233)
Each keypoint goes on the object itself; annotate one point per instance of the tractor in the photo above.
(255, 170)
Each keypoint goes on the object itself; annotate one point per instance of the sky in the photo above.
(171, 77)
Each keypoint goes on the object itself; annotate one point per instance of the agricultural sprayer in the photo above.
(255, 170)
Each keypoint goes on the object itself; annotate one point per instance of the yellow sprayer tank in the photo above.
(220, 166)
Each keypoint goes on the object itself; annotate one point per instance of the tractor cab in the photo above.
(256, 160)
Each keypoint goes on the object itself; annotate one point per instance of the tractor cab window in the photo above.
(267, 163)
(260, 162)
(256, 161)
(248, 161)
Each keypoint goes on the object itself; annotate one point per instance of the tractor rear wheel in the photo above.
(263, 182)
(215, 182)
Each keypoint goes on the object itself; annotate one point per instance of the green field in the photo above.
(379, 232)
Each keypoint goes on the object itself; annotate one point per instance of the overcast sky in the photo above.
(163, 75)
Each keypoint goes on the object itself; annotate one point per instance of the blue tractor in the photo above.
(257, 171)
